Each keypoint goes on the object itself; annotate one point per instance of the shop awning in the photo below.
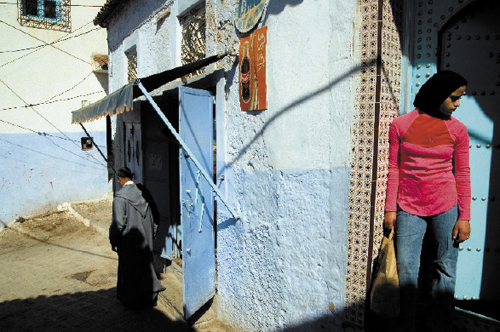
(122, 100)
(115, 103)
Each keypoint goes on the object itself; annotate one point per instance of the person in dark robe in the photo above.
(131, 235)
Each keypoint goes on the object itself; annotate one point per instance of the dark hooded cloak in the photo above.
(131, 232)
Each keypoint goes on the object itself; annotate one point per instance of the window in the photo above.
(45, 14)
(131, 65)
(193, 44)
(43, 9)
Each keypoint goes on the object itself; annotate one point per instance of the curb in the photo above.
(67, 207)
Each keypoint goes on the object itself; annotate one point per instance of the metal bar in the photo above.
(107, 162)
(185, 147)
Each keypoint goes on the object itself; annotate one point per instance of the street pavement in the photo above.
(58, 273)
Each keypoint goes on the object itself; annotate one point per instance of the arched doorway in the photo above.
(470, 44)
(464, 36)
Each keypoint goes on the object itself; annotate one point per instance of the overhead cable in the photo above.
(64, 5)
(52, 43)
(47, 44)
(19, 58)
(50, 102)
(33, 109)
(48, 136)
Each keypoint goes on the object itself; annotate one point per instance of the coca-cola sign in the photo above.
(252, 71)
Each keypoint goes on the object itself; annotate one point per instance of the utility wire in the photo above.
(55, 157)
(52, 43)
(50, 102)
(64, 5)
(48, 136)
(19, 58)
(8, 87)
(74, 86)
(37, 132)
(47, 44)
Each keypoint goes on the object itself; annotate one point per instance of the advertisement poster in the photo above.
(252, 68)
(248, 14)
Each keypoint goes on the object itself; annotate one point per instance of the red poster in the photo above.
(252, 67)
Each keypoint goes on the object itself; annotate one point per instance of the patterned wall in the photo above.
(377, 103)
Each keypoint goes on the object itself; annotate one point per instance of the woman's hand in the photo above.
(461, 231)
(389, 219)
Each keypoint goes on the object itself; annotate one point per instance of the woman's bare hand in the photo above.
(389, 219)
(461, 231)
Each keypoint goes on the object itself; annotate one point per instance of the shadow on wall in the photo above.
(290, 107)
(276, 7)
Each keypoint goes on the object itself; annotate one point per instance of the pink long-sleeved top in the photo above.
(428, 165)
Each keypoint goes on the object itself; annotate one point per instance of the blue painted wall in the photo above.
(286, 169)
(38, 172)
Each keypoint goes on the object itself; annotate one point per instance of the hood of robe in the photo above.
(134, 196)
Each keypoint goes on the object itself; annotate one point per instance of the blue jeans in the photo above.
(410, 230)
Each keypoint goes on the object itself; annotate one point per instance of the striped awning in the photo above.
(122, 100)
(115, 103)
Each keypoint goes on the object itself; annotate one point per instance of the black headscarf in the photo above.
(435, 91)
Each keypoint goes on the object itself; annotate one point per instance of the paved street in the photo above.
(57, 274)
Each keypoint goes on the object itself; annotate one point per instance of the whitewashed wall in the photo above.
(42, 164)
(282, 266)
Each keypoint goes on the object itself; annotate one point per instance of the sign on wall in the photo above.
(248, 14)
(252, 68)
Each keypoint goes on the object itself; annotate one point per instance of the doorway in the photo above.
(469, 44)
(184, 197)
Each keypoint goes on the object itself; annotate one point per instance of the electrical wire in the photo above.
(50, 44)
(58, 158)
(64, 5)
(48, 136)
(19, 58)
(102, 154)
(50, 102)
(47, 44)
(8, 87)
(74, 86)
(37, 132)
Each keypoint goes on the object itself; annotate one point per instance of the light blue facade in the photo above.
(41, 171)
(51, 63)
(284, 171)
(282, 266)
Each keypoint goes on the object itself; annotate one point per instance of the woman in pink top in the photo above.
(428, 194)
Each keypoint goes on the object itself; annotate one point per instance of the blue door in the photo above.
(471, 46)
(197, 201)
(464, 36)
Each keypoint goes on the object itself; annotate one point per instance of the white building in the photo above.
(300, 185)
(52, 61)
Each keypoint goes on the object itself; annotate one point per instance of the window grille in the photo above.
(193, 44)
(45, 14)
(49, 8)
(132, 66)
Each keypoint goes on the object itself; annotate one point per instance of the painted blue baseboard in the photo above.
(40, 171)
